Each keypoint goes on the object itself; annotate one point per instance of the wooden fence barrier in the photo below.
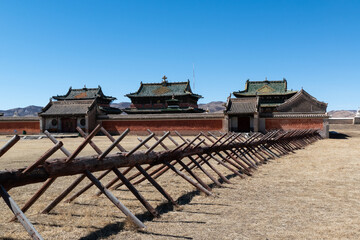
(240, 153)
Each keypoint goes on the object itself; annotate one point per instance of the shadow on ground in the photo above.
(337, 135)
(114, 228)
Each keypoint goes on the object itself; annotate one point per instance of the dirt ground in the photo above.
(312, 194)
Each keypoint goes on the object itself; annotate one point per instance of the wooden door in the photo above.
(68, 125)
(243, 124)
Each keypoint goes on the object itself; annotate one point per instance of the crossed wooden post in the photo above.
(239, 153)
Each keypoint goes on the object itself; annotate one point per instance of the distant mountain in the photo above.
(121, 105)
(22, 112)
(342, 113)
(214, 107)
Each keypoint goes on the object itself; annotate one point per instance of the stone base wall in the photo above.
(341, 120)
(19, 126)
(287, 124)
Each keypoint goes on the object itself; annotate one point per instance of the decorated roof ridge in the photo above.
(164, 88)
(266, 87)
(242, 105)
(300, 93)
(76, 108)
(166, 82)
(260, 94)
(83, 94)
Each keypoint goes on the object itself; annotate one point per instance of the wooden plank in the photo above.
(43, 158)
(192, 182)
(63, 194)
(37, 195)
(114, 144)
(9, 144)
(114, 200)
(136, 193)
(19, 215)
(83, 144)
(156, 185)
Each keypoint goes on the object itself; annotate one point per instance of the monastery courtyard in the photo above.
(312, 194)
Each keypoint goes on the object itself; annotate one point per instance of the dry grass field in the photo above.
(312, 194)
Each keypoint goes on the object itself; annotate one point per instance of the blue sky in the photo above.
(48, 46)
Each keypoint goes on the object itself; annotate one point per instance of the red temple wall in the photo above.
(9, 127)
(187, 126)
(287, 124)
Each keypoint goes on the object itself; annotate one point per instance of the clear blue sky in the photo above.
(48, 46)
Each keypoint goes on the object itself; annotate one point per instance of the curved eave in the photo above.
(63, 114)
(175, 95)
(170, 83)
(60, 97)
(298, 95)
(243, 94)
(110, 110)
(74, 99)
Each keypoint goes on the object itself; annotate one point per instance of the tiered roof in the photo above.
(241, 105)
(78, 102)
(163, 89)
(253, 88)
(84, 94)
(60, 109)
(297, 103)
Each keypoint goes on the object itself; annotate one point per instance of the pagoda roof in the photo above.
(298, 102)
(61, 109)
(164, 89)
(84, 94)
(241, 105)
(253, 88)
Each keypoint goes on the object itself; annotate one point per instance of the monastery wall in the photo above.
(287, 124)
(19, 125)
(183, 123)
(341, 120)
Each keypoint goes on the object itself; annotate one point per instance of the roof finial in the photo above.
(164, 78)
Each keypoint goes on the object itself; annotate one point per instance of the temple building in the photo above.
(164, 97)
(267, 105)
(77, 108)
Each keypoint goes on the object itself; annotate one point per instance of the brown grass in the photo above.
(312, 194)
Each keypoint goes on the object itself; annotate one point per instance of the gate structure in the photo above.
(239, 153)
